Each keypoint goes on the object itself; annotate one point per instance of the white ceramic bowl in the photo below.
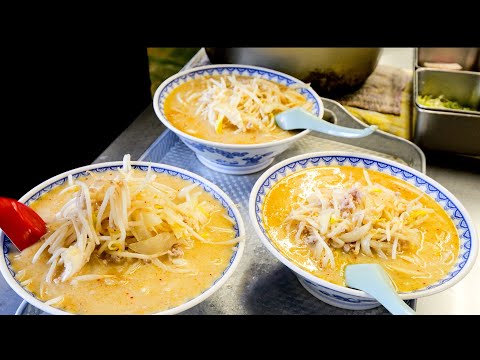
(344, 297)
(50, 184)
(233, 158)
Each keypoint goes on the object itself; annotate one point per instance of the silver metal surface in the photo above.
(382, 141)
(460, 86)
(465, 57)
(448, 130)
(329, 70)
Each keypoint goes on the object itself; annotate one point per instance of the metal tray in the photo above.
(465, 57)
(261, 284)
(446, 129)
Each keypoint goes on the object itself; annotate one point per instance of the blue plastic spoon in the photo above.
(372, 279)
(298, 118)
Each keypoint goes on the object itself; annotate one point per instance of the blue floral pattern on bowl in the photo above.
(354, 299)
(214, 150)
(168, 170)
(233, 158)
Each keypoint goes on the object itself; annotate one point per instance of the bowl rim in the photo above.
(25, 295)
(353, 292)
(179, 132)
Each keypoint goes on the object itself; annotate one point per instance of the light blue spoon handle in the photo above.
(372, 279)
(298, 118)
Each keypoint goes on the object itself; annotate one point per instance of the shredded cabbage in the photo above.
(125, 218)
(441, 102)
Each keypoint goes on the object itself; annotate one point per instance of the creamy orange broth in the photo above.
(147, 290)
(286, 193)
(183, 118)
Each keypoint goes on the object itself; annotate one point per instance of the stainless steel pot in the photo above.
(331, 71)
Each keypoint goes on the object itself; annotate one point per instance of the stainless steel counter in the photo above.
(460, 175)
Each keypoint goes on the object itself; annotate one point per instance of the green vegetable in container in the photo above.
(441, 102)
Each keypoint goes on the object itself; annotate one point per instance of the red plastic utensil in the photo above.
(21, 224)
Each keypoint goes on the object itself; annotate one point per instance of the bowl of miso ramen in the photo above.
(320, 212)
(225, 113)
(126, 237)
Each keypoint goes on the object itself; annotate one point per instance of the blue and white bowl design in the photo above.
(233, 158)
(58, 180)
(344, 297)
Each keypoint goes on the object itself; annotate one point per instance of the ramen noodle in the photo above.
(232, 109)
(326, 218)
(126, 242)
